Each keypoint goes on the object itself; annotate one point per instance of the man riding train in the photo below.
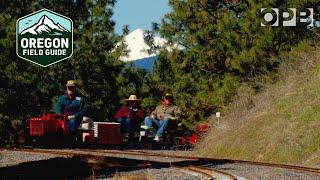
(130, 115)
(162, 115)
(73, 106)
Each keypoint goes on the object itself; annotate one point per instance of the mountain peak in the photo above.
(44, 24)
(137, 31)
(47, 20)
(138, 48)
(136, 34)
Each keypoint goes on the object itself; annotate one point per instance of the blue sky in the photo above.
(139, 13)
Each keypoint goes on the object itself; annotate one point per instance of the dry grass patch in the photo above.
(280, 124)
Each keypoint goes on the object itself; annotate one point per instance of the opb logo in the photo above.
(290, 17)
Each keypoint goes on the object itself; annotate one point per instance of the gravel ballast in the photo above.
(263, 172)
(158, 174)
(11, 158)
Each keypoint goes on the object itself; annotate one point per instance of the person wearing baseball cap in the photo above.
(71, 105)
(130, 115)
(161, 116)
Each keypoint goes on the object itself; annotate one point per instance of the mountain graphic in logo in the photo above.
(45, 25)
(44, 37)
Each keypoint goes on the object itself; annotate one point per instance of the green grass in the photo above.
(280, 124)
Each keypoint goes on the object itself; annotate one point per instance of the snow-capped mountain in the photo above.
(45, 24)
(137, 47)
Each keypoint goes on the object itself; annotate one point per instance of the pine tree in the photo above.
(220, 44)
(27, 88)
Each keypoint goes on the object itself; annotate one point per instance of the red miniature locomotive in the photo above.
(49, 129)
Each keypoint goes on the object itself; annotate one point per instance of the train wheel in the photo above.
(147, 143)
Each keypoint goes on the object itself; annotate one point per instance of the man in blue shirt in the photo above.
(72, 106)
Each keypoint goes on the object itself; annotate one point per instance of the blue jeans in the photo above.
(161, 125)
(127, 125)
(73, 125)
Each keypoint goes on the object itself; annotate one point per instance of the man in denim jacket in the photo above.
(72, 106)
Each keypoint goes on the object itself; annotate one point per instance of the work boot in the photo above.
(156, 138)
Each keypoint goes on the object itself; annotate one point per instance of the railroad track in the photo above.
(214, 160)
(187, 163)
(207, 172)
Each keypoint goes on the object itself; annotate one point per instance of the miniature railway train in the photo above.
(52, 129)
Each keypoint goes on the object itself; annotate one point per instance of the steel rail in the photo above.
(202, 173)
(211, 173)
(158, 155)
(216, 160)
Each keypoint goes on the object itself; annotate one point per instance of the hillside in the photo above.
(281, 123)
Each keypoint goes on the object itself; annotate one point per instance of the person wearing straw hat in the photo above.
(72, 106)
(129, 115)
(161, 116)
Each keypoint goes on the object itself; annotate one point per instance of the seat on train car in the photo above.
(86, 124)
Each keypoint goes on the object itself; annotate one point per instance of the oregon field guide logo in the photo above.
(44, 37)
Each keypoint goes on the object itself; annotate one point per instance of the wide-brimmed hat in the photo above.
(168, 96)
(71, 83)
(132, 98)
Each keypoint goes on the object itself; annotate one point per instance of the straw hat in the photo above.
(132, 98)
(71, 83)
(168, 96)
